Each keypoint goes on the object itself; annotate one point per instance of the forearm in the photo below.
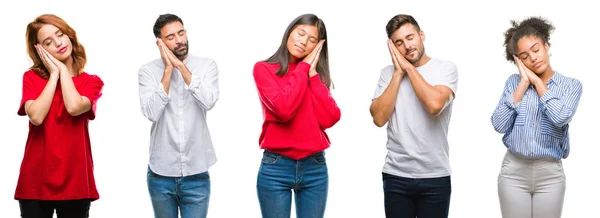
(520, 91)
(38, 109)
(504, 115)
(166, 80)
(382, 107)
(74, 102)
(185, 73)
(428, 95)
(325, 107)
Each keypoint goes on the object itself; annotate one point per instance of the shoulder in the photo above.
(30, 74)
(570, 81)
(153, 65)
(387, 71)
(197, 60)
(91, 78)
(446, 66)
(263, 66)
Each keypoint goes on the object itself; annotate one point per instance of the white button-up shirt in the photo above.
(180, 143)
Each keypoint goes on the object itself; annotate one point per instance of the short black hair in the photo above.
(533, 26)
(398, 21)
(163, 20)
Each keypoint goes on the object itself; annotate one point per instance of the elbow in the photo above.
(74, 110)
(379, 122)
(36, 121)
(435, 109)
(211, 104)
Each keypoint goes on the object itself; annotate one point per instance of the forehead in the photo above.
(404, 30)
(310, 29)
(526, 42)
(170, 28)
(46, 31)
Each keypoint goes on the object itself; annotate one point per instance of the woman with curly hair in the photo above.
(534, 114)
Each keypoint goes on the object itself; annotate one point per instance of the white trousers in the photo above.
(531, 188)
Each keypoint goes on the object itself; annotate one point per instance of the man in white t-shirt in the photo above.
(414, 97)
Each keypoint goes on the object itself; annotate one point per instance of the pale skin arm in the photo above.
(74, 102)
(382, 107)
(37, 109)
(433, 97)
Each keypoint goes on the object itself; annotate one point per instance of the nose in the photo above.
(177, 39)
(57, 42)
(533, 58)
(304, 41)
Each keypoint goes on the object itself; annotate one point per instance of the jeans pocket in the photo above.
(319, 158)
(270, 158)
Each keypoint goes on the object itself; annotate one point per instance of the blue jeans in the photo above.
(279, 175)
(410, 198)
(189, 194)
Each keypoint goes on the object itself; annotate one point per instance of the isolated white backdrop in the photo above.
(118, 39)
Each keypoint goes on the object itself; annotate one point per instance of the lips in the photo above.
(537, 65)
(300, 48)
(62, 50)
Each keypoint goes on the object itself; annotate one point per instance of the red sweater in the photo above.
(57, 164)
(296, 110)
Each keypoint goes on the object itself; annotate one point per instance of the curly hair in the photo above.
(78, 54)
(533, 26)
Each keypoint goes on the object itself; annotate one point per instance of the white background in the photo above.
(118, 38)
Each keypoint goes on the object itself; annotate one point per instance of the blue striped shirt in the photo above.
(538, 127)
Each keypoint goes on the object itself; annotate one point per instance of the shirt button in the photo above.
(533, 124)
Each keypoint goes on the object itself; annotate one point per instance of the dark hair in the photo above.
(398, 21)
(533, 26)
(163, 20)
(78, 53)
(282, 55)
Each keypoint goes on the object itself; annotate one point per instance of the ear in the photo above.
(422, 34)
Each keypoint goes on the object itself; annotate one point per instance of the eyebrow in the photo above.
(49, 36)
(529, 49)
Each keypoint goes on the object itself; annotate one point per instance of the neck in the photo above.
(292, 59)
(424, 59)
(69, 64)
(546, 75)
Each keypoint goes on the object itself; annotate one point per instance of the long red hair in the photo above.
(78, 53)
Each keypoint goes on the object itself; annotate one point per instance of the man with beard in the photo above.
(414, 96)
(176, 91)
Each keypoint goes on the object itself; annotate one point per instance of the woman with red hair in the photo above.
(59, 98)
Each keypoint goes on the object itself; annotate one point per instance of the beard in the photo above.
(419, 55)
(181, 53)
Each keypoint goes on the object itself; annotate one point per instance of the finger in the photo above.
(42, 56)
(391, 50)
(319, 48)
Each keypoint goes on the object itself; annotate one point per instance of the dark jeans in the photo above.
(422, 198)
(64, 209)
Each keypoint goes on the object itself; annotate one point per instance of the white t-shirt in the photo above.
(418, 141)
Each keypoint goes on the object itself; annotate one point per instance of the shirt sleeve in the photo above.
(30, 91)
(281, 97)
(506, 111)
(561, 108)
(93, 91)
(448, 78)
(385, 78)
(205, 86)
(326, 110)
(153, 98)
